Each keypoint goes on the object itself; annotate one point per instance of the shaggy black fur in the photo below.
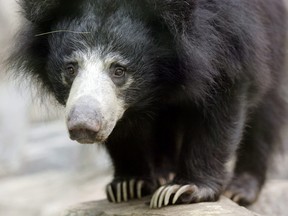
(208, 77)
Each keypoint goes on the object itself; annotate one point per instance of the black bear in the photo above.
(172, 88)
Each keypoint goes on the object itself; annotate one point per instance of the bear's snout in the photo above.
(84, 121)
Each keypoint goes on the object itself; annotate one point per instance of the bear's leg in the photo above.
(200, 176)
(130, 149)
(209, 141)
(254, 153)
(168, 137)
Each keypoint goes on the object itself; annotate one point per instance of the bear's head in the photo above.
(99, 58)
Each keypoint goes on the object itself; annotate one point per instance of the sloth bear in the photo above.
(172, 88)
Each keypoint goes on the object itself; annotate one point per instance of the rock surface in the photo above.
(272, 202)
(224, 207)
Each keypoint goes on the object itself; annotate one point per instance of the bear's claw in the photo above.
(109, 193)
(124, 190)
(182, 194)
(163, 195)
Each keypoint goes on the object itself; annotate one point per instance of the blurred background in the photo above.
(42, 172)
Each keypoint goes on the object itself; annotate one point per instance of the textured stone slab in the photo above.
(224, 207)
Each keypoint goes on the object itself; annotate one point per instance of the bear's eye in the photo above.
(71, 70)
(119, 72)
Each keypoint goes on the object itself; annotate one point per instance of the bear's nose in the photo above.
(84, 122)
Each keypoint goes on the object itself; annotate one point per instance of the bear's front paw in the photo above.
(123, 190)
(243, 189)
(182, 194)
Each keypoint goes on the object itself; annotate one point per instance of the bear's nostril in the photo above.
(82, 135)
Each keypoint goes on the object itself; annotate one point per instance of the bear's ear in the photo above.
(38, 10)
(175, 13)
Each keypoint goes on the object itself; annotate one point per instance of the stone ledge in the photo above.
(224, 207)
(272, 201)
